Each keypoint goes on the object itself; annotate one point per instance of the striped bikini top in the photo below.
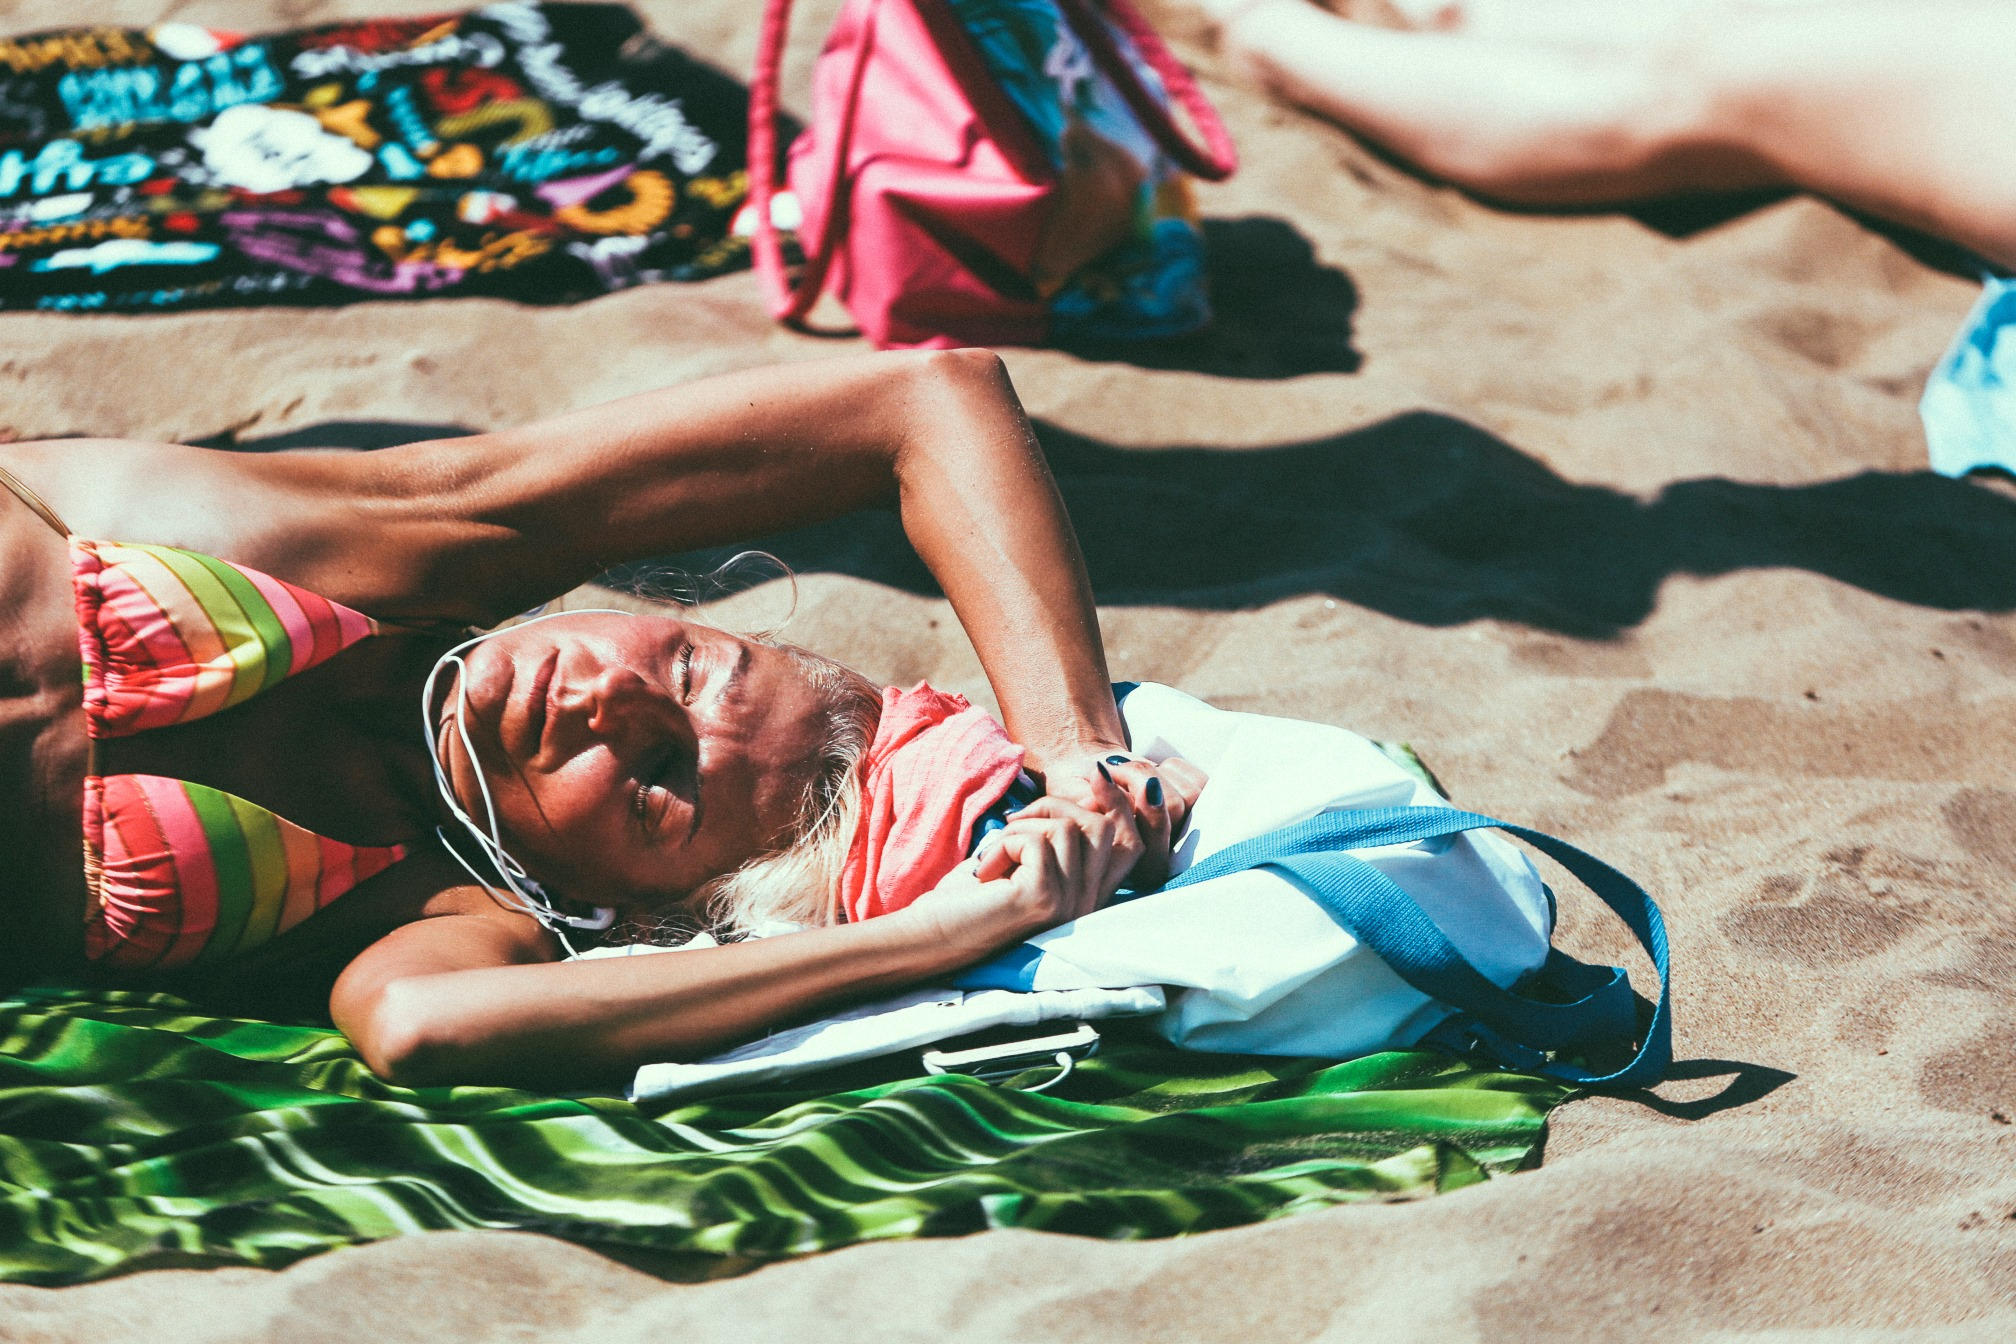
(181, 873)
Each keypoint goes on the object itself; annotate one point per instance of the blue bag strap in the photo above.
(1392, 924)
(1389, 921)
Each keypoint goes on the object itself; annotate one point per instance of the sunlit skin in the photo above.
(631, 758)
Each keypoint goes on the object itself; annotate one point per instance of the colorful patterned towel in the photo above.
(538, 152)
(133, 1129)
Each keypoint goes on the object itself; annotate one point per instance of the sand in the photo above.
(1628, 530)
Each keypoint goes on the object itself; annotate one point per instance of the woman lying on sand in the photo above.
(258, 630)
(1901, 108)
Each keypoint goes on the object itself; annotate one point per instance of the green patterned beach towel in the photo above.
(135, 1130)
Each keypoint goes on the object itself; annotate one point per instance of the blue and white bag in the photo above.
(1328, 901)
(1969, 406)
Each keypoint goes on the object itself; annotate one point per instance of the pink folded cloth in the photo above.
(935, 766)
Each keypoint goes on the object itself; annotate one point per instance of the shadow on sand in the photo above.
(1277, 311)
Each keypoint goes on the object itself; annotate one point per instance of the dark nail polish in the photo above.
(1116, 760)
(1153, 792)
(1103, 773)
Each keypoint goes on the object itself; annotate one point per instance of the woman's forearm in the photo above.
(468, 993)
(591, 1023)
(980, 506)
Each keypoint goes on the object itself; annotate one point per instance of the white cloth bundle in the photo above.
(1253, 964)
(908, 1021)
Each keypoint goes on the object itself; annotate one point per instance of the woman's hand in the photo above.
(1157, 797)
(1052, 863)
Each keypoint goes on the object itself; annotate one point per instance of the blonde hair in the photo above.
(800, 883)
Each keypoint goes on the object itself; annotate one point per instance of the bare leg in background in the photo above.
(1903, 108)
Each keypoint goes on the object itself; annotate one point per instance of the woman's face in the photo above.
(632, 758)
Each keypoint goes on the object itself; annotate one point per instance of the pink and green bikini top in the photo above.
(181, 873)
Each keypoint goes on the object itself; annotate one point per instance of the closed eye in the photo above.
(654, 791)
(653, 795)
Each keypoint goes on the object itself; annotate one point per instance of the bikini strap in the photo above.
(34, 501)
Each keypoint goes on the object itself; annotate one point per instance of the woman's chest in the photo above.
(337, 749)
(213, 726)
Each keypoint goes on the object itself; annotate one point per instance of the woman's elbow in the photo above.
(957, 401)
(969, 371)
(402, 1037)
(929, 374)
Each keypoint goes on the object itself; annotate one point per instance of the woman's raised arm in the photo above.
(526, 513)
(476, 529)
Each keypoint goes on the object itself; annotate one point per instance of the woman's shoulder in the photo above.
(353, 527)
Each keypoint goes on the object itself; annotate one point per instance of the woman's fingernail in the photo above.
(1153, 792)
(1116, 760)
(1103, 772)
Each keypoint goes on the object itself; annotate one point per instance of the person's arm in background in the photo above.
(1896, 109)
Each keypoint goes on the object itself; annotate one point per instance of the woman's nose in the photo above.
(623, 708)
(617, 702)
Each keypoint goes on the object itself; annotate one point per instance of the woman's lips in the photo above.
(535, 707)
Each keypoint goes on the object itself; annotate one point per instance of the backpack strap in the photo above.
(1512, 1028)
(1214, 160)
(790, 302)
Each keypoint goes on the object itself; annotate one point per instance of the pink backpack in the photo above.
(989, 172)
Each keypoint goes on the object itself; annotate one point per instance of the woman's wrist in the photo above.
(931, 945)
(1079, 746)
(962, 920)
